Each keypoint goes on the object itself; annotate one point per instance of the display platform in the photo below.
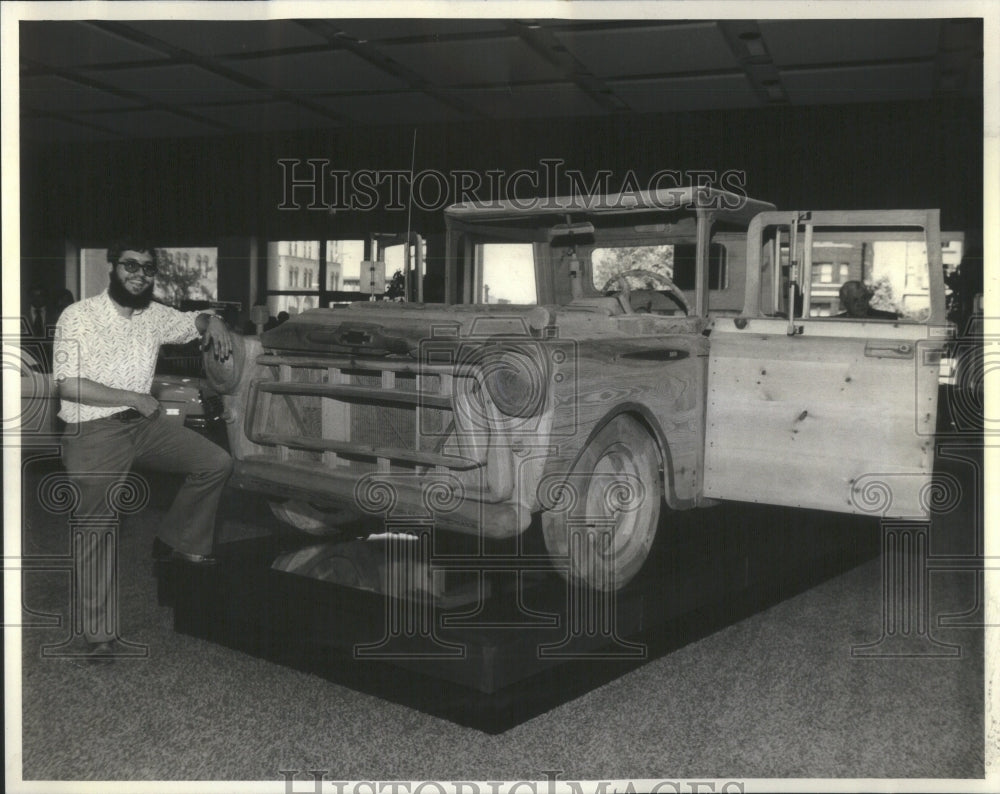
(519, 640)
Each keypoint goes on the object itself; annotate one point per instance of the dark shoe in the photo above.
(98, 654)
(204, 560)
(161, 551)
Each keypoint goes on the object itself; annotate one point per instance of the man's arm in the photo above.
(89, 392)
(215, 335)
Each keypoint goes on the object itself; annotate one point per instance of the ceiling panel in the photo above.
(265, 116)
(214, 37)
(859, 84)
(155, 124)
(804, 42)
(178, 84)
(335, 70)
(530, 101)
(665, 95)
(502, 60)
(55, 94)
(411, 107)
(380, 29)
(48, 129)
(650, 49)
(70, 44)
(389, 71)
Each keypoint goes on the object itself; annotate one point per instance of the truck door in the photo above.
(811, 406)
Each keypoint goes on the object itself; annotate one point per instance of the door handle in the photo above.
(887, 348)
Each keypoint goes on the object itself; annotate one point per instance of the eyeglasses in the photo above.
(131, 266)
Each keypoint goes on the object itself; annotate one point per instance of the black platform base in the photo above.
(531, 641)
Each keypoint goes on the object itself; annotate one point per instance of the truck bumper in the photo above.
(409, 497)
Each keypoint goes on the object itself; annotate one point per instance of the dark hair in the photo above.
(129, 244)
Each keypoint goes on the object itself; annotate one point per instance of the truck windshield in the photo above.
(676, 261)
(609, 263)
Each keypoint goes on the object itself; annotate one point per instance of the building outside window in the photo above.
(293, 266)
(185, 273)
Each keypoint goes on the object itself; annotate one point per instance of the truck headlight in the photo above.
(515, 379)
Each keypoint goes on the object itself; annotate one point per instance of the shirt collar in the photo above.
(109, 305)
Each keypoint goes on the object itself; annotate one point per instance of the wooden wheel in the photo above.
(603, 527)
(224, 376)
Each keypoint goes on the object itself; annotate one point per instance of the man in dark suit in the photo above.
(38, 315)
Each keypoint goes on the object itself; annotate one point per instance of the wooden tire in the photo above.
(224, 376)
(604, 531)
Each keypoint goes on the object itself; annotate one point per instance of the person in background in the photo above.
(63, 298)
(105, 357)
(856, 298)
(38, 315)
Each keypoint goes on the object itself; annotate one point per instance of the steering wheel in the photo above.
(624, 291)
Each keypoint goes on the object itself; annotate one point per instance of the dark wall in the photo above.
(190, 191)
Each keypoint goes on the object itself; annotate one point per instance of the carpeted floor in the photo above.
(776, 695)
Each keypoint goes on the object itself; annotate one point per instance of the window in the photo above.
(677, 262)
(508, 274)
(889, 265)
(893, 272)
(392, 260)
(289, 264)
(343, 264)
(294, 266)
(179, 278)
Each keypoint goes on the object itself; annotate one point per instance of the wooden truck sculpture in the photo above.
(675, 348)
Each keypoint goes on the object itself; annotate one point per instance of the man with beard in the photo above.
(104, 360)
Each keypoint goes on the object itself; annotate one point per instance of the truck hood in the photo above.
(383, 328)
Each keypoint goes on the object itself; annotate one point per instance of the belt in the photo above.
(126, 416)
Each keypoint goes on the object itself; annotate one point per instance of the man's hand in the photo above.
(147, 405)
(218, 337)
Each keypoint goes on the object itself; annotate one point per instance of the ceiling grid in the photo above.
(104, 80)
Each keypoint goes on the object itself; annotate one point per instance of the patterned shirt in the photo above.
(94, 341)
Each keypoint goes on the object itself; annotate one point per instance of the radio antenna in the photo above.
(413, 162)
(409, 216)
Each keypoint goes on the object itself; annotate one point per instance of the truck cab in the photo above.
(599, 361)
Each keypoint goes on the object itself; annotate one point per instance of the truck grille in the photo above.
(378, 415)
